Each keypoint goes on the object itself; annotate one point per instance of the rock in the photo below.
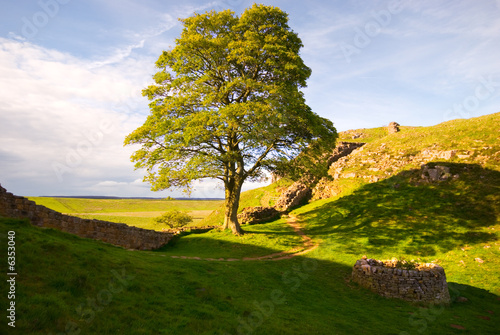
(433, 174)
(255, 215)
(447, 154)
(292, 197)
(343, 149)
(438, 173)
(393, 127)
(432, 154)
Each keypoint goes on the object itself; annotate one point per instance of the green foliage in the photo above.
(173, 219)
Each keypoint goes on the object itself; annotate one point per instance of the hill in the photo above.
(472, 141)
(66, 283)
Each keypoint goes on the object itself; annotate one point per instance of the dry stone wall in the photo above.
(296, 194)
(426, 283)
(343, 149)
(110, 232)
(254, 215)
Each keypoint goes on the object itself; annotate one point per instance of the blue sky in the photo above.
(72, 72)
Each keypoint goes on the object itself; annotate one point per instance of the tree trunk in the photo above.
(233, 190)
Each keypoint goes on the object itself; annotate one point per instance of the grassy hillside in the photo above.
(66, 283)
(473, 141)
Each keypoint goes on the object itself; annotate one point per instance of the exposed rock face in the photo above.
(343, 149)
(254, 215)
(393, 127)
(292, 197)
(437, 154)
(381, 162)
(110, 232)
(426, 283)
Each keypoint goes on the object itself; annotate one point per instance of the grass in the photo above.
(134, 212)
(259, 240)
(451, 223)
(66, 283)
(476, 142)
(58, 273)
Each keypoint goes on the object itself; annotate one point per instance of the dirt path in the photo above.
(307, 246)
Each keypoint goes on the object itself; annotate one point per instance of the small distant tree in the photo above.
(227, 104)
(174, 219)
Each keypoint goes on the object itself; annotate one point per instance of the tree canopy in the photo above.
(227, 104)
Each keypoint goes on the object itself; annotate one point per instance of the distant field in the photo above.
(134, 212)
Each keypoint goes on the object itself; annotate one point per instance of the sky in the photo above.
(72, 72)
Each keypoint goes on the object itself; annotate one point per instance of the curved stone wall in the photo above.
(110, 232)
(426, 283)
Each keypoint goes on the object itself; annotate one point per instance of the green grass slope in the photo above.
(66, 284)
(473, 141)
(69, 285)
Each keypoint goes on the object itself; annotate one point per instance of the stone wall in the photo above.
(294, 195)
(110, 232)
(343, 149)
(254, 215)
(426, 283)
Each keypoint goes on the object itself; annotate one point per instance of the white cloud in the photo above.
(60, 119)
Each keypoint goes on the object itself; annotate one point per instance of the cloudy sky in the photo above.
(72, 72)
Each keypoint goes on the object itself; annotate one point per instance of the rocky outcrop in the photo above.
(110, 232)
(372, 164)
(292, 197)
(438, 173)
(343, 149)
(254, 215)
(424, 283)
(393, 127)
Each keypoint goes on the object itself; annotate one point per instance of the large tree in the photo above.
(226, 104)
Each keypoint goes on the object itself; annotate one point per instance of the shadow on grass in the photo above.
(224, 245)
(415, 216)
(65, 280)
